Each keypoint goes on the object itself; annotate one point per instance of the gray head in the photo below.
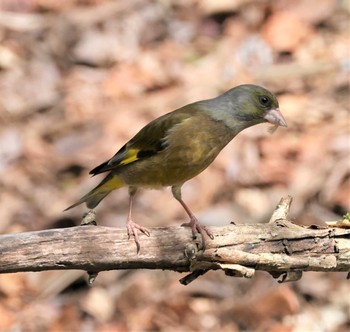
(245, 106)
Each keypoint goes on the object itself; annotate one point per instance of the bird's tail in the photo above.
(95, 196)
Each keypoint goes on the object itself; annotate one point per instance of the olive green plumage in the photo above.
(179, 145)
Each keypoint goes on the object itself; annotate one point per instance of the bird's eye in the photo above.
(264, 100)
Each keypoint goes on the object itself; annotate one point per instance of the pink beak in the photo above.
(275, 117)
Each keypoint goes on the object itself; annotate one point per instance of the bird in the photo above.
(179, 145)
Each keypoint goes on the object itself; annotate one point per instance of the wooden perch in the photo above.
(278, 247)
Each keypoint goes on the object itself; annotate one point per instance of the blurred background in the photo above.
(78, 78)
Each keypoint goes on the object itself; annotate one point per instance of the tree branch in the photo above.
(278, 247)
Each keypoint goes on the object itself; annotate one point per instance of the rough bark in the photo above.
(278, 247)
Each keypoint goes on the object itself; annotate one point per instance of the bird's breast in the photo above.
(191, 147)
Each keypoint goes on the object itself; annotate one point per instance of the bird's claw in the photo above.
(133, 229)
(196, 228)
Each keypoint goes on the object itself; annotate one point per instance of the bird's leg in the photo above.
(131, 226)
(195, 225)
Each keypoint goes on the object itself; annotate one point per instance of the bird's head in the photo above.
(245, 106)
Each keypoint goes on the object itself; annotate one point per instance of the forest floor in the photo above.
(78, 78)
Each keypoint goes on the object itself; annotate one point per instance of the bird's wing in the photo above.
(149, 141)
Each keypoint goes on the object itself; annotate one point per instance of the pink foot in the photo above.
(133, 230)
(196, 227)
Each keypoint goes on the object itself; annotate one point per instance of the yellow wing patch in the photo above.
(130, 156)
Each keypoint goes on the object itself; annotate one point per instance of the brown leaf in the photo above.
(284, 31)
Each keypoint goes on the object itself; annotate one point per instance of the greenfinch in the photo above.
(179, 145)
